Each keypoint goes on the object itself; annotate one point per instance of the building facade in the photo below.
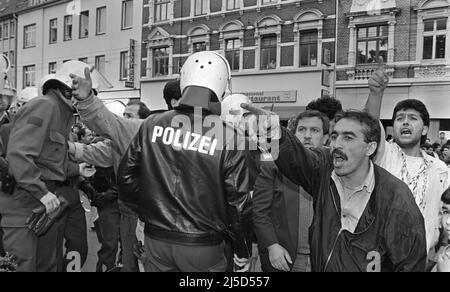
(103, 33)
(413, 39)
(281, 52)
(8, 39)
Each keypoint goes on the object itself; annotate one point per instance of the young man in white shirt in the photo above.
(426, 176)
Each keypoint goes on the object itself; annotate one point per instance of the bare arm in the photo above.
(377, 84)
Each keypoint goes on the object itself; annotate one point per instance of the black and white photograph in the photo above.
(245, 137)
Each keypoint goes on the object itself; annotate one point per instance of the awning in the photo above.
(122, 95)
(286, 112)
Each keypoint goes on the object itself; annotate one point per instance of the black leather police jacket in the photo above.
(186, 188)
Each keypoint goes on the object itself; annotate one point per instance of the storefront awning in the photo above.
(286, 112)
(122, 95)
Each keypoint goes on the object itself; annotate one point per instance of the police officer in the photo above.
(193, 188)
(38, 160)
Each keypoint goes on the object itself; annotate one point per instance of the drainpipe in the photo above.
(16, 50)
(336, 48)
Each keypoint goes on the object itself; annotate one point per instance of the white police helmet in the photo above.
(206, 69)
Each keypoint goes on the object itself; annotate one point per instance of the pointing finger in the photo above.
(87, 73)
(253, 109)
(381, 65)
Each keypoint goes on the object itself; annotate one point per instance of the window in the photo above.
(52, 68)
(124, 65)
(263, 2)
(84, 60)
(269, 52)
(13, 29)
(372, 43)
(434, 38)
(6, 30)
(53, 31)
(160, 62)
(29, 36)
(29, 76)
(232, 4)
(84, 24)
(308, 48)
(200, 7)
(100, 27)
(100, 63)
(161, 10)
(12, 58)
(127, 14)
(199, 47)
(68, 22)
(232, 53)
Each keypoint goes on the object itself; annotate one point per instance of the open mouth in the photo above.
(405, 132)
(338, 159)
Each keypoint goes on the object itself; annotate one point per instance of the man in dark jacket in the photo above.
(179, 175)
(283, 211)
(365, 219)
(38, 160)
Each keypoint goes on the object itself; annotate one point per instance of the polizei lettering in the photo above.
(189, 141)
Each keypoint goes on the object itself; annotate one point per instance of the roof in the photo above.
(26, 5)
(8, 7)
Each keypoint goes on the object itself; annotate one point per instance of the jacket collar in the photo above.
(368, 216)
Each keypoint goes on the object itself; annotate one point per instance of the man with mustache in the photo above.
(426, 176)
(365, 219)
(278, 202)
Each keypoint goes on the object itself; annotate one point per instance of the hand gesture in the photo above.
(267, 123)
(380, 79)
(82, 87)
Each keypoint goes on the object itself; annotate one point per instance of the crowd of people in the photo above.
(196, 187)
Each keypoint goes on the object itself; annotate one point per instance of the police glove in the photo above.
(40, 221)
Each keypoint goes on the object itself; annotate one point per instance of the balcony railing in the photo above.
(365, 72)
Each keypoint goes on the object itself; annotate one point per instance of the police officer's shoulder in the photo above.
(44, 102)
(157, 112)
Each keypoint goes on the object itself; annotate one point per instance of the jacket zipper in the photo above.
(337, 236)
(340, 231)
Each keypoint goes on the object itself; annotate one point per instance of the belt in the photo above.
(205, 239)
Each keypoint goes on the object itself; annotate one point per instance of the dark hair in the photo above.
(445, 146)
(446, 196)
(426, 145)
(312, 114)
(372, 129)
(435, 146)
(415, 105)
(143, 110)
(327, 105)
(171, 91)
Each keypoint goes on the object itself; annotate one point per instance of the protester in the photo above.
(355, 201)
(441, 259)
(426, 176)
(210, 197)
(283, 211)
